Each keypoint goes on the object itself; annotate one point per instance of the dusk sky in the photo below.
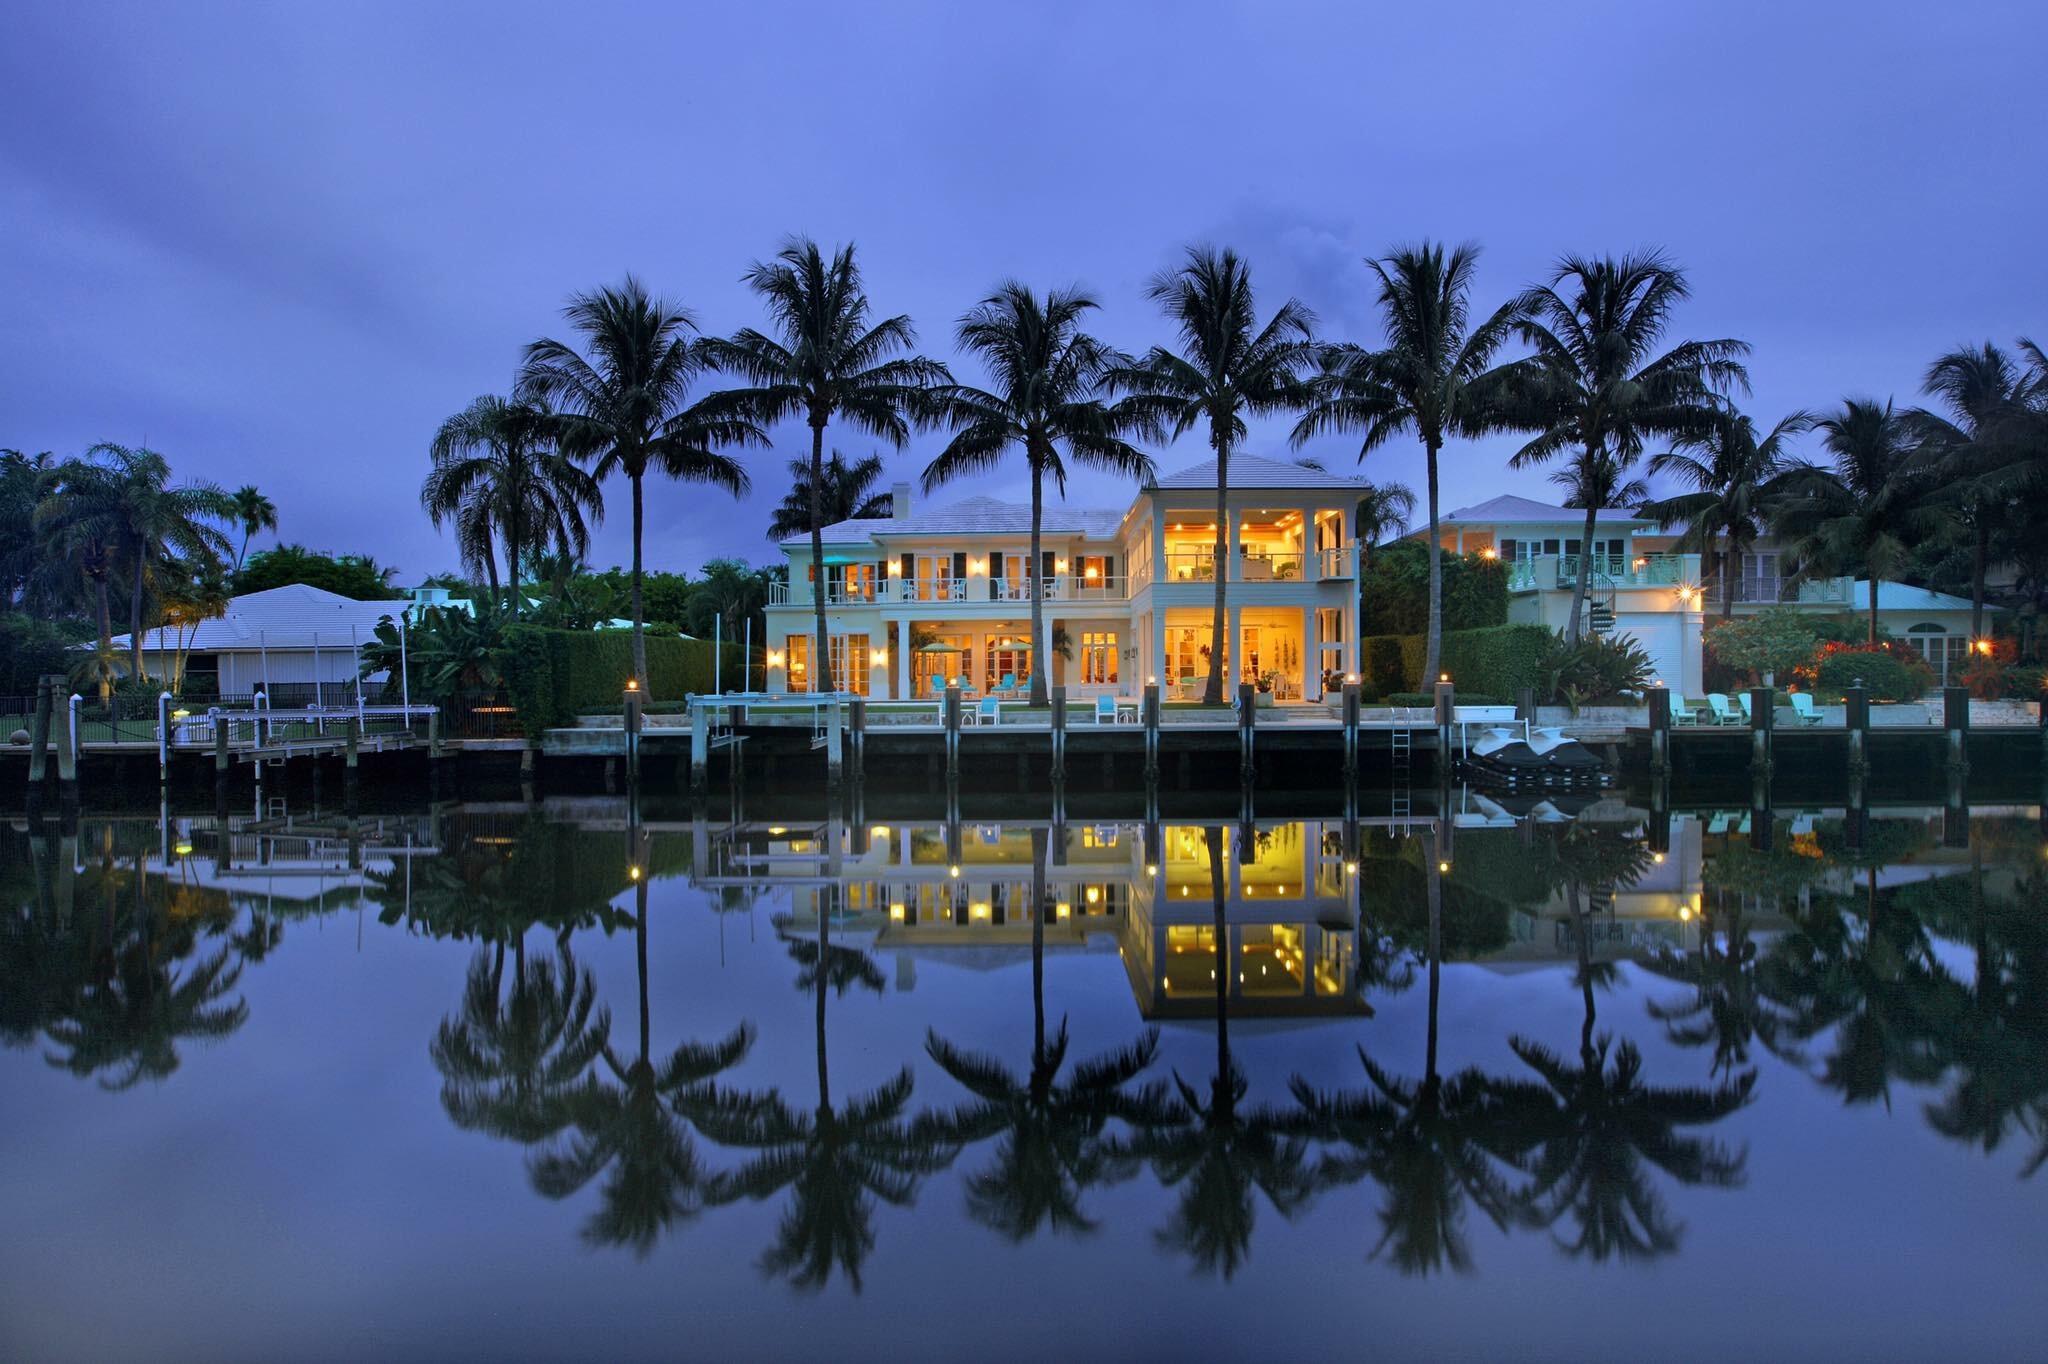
(281, 243)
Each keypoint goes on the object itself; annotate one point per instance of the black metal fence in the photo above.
(480, 715)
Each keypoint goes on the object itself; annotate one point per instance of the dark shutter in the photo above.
(909, 568)
(1507, 549)
(1108, 568)
(995, 572)
(1045, 564)
(960, 564)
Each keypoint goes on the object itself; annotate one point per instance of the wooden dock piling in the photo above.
(1148, 715)
(857, 737)
(1351, 718)
(700, 746)
(632, 714)
(1659, 700)
(1059, 736)
(1247, 728)
(1762, 717)
(1856, 715)
(1955, 719)
(951, 716)
(39, 741)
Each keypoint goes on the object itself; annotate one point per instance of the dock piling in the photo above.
(632, 714)
(1955, 718)
(220, 745)
(39, 741)
(1660, 729)
(857, 737)
(950, 714)
(1059, 736)
(67, 758)
(1148, 715)
(700, 745)
(1351, 715)
(1762, 716)
(1446, 721)
(1247, 725)
(1856, 714)
(163, 737)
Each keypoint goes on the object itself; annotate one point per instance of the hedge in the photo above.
(1393, 594)
(554, 675)
(1501, 659)
(1886, 676)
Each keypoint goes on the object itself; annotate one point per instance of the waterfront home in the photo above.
(298, 643)
(1639, 585)
(926, 595)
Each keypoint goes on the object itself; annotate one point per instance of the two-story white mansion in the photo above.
(928, 594)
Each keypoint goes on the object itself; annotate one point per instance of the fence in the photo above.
(480, 715)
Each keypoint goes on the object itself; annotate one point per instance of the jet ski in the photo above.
(1570, 763)
(1546, 760)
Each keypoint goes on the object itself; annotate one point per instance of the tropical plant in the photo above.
(1598, 667)
(1433, 376)
(349, 575)
(1866, 511)
(626, 409)
(496, 470)
(729, 591)
(447, 650)
(1228, 367)
(1596, 389)
(253, 512)
(1047, 375)
(848, 494)
(31, 575)
(1732, 475)
(827, 358)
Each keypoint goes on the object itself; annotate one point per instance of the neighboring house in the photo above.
(1639, 586)
(298, 643)
(424, 599)
(925, 595)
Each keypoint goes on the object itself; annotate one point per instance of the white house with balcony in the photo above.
(928, 595)
(1638, 585)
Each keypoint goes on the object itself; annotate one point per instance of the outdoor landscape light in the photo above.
(953, 871)
(633, 873)
(1443, 866)
(632, 684)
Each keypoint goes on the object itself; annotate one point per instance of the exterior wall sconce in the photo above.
(775, 658)
(878, 658)
(1059, 565)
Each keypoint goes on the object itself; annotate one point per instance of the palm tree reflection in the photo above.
(1055, 1137)
(511, 1065)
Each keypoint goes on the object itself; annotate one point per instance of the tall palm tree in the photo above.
(1989, 442)
(496, 467)
(253, 512)
(1045, 405)
(1053, 1144)
(626, 409)
(1732, 475)
(838, 1158)
(1434, 376)
(1228, 367)
(828, 357)
(1597, 389)
(849, 493)
(1218, 1148)
(1868, 509)
(509, 1065)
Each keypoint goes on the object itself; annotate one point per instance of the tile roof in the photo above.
(1255, 471)
(286, 617)
(975, 516)
(1508, 509)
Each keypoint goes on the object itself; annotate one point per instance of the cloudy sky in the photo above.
(281, 242)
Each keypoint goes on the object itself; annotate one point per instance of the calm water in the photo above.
(499, 1081)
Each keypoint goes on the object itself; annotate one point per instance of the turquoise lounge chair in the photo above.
(1804, 712)
(1107, 711)
(988, 711)
(1724, 711)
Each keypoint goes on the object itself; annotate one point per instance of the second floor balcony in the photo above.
(1070, 588)
(1540, 571)
(1772, 590)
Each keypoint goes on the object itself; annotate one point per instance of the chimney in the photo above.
(899, 497)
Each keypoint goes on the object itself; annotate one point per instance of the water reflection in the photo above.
(1898, 960)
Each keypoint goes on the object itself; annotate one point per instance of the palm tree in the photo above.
(509, 1065)
(631, 1122)
(1048, 374)
(837, 1159)
(1220, 1149)
(496, 468)
(1728, 1008)
(828, 358)
(1732, 475)
(1434, 1145)
(1053, 1143)
(1990, 443)
(1866, 511)
(1434, 377)
(1596, 389)
(848, 494)
(627, 411)
(253, 512)
(1228, 367)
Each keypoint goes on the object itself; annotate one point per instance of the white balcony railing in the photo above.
(1061, 587)
(1773, 590)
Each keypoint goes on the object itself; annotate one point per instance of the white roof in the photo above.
(1255, 471)
(1893, 596)
(286, 617)
(1509, 510)
(975, 516)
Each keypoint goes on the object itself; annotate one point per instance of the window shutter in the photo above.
(909, 567)
(1507, 549)
(1108, 567)
(995, 572)
(960, 564)
(1045, 564)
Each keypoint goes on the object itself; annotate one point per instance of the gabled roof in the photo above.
(1893, 596)
(1254, 471)
(1508, 510)
(974, 516)
(288, 617)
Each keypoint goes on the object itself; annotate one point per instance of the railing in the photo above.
(1061, 587)
(1199, 566)
(1607, 570)
(1334, 562)
(1772, 590)
(1286, 567)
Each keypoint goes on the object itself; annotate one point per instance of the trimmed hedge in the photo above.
(1423, 698)
(1502, 659)
(1393, 596)
(1886, 675)
(554, 675)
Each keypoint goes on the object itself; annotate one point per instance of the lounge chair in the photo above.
(1107, 711)
(1009, 683)
(1804, 712)
(1685, 713)
(987, 711)
(1723, 709)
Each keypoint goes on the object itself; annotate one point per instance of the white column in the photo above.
(1311, 656)
(1230, 548)
(1233, 642)
(904, 661)
(1157, 636)
(1311, 558)
(1159, 574)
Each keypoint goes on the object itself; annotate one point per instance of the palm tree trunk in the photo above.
(106, 615)
(1873, 607)
(512, 563)
(639, 627)
(1041, 652)
(821, 658)
(1585, 927)
(1979, 552)
(1585, 574)
(491, 570)
(1212, 690)
(135, 613)
(1727, 585)
(1433, 648)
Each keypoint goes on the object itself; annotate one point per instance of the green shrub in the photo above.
(1775, 640)
(32, 648)
(2026, 681)
(554, 675)
(1886, 675)
(1394, 592)
(1501, 658)
(1598, 668)
(1423, 698)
